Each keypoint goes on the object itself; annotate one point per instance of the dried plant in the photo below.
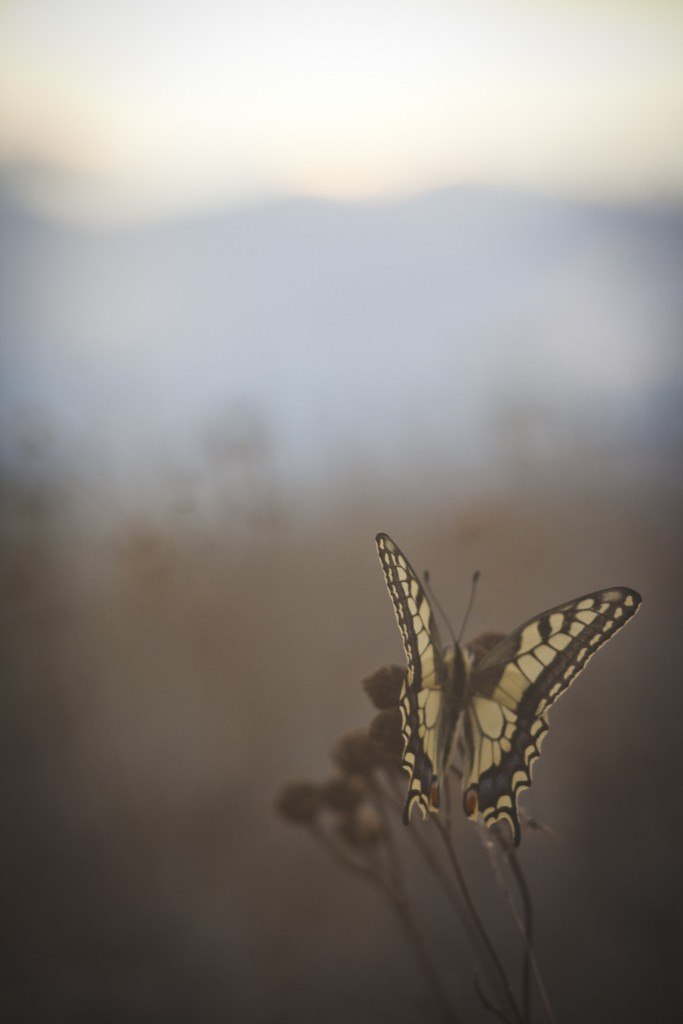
(356, 817)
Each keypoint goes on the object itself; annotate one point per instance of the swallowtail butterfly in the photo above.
(494, 710)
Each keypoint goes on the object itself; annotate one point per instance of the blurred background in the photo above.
(275, 276)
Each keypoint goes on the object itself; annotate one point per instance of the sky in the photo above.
(144, 109)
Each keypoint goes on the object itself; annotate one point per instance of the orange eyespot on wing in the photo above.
(470, 801)
(434, 795)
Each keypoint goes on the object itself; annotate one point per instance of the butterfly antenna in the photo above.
(473, 591)
(435, 602)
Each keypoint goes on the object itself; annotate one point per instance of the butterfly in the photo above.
(492, 707)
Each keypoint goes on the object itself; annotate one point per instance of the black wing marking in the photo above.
(514, 685)
(423, 685)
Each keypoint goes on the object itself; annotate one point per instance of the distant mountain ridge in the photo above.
(397, 331)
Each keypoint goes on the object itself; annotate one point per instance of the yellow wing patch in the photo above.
(502, 715)
(421, 696)
(522, 677)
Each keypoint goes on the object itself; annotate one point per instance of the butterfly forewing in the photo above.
(497, 689)
(421, 696)
(514, 685)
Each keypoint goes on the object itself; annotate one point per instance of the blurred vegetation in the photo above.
(165, 671)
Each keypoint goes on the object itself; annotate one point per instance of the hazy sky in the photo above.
(144, 107)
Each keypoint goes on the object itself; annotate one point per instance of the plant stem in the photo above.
(422, 955)
(528, 930)
(530, 961)
(486, 1002)
(453, 895)
(478, 923)
(378, 798)
(399, 902)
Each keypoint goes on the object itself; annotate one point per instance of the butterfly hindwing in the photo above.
(497, 690)
(515, 684)
(422, 692)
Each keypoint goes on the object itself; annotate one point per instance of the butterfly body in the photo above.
(451, 699)
(492, 707)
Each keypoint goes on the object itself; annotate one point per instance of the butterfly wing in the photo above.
(422, 692)
(515, 684)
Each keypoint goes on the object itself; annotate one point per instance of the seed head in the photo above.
(482, 644)
(357, 754)
(383, 687)
(299, 802)
(344, 792)
(385, 730)
(361, 828)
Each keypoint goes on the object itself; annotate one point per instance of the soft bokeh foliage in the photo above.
(206, 417)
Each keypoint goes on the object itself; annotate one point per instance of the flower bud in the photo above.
(361, 828)
(357, 754)
(344, 792)
(482, 644)
(383, 687)
(299, 802)
(385, 730)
